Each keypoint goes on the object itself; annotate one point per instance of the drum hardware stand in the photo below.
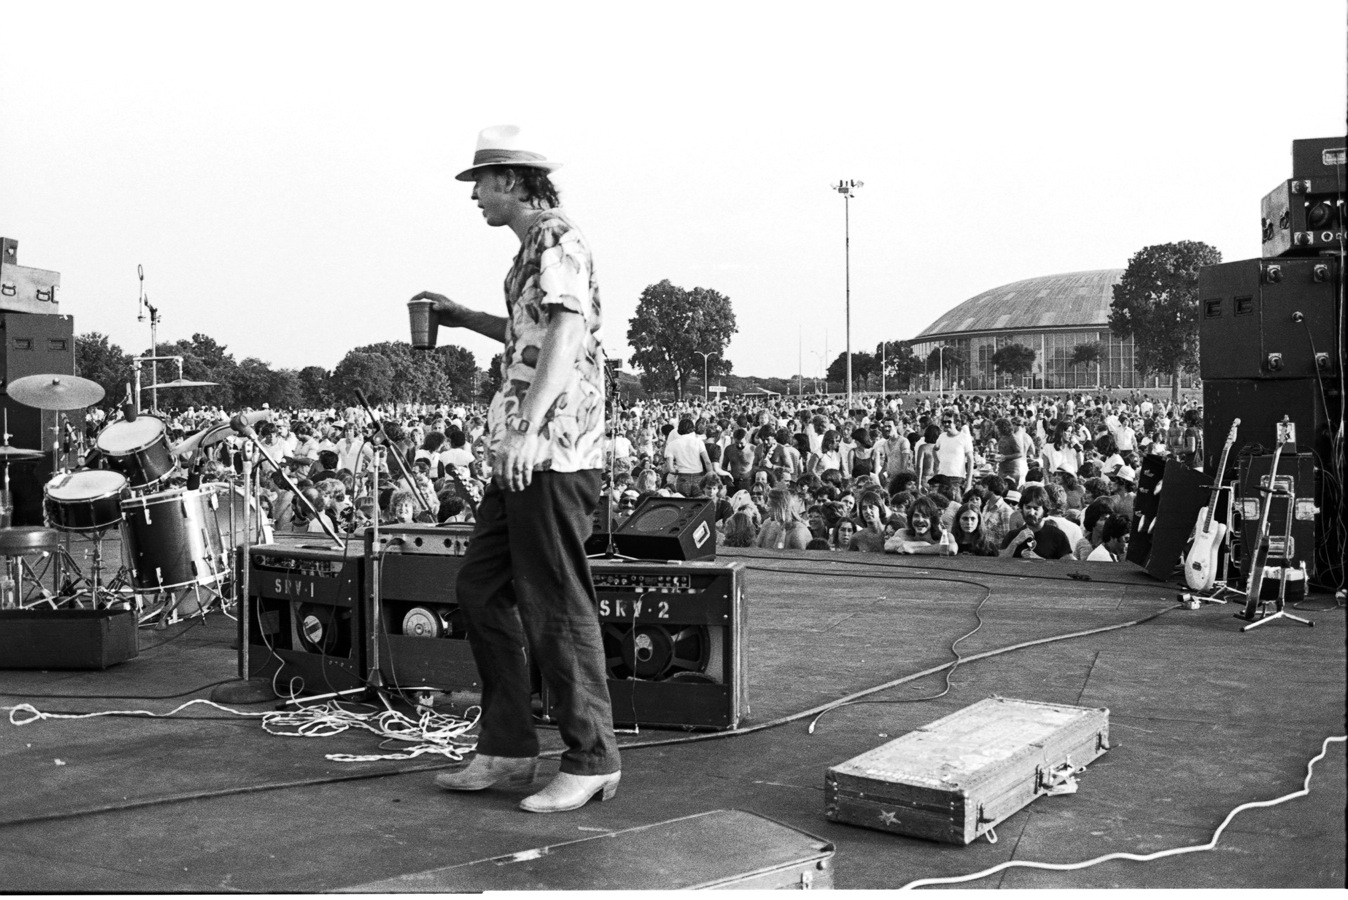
(247, 689)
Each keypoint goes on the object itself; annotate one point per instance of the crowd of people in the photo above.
(1029, 476)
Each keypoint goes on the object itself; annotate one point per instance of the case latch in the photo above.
(1059, 779)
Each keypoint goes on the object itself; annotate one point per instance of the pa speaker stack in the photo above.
(1271, 345)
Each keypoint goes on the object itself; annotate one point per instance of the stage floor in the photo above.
(1202, 719)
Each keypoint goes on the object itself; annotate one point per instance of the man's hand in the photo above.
(452, 314)
(513, 467)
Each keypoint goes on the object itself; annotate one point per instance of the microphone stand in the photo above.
(397, 457)
(247, 689)
(331, 532)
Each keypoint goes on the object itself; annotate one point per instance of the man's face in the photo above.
(1033, 514)
(494, 201)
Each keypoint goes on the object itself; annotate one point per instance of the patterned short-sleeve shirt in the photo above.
(553, 269)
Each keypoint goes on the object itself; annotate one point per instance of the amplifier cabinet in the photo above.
(22, 288)
(675, 642)
(1269, 318)
(418, 639)
(306, 621)
(1321, 161)
(1298, 476)
(961, 775)
(1297, 222)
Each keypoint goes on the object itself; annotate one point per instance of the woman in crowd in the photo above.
(740, 530)
(784, 526)
(969, 536)
(1060, 453)
(870, 538)
(828, 457)
(1010, 461)
(861, 458)
(843, 532)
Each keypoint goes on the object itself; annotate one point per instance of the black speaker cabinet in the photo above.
(1260, 405)
(1296, 474)
(672, 528)
(419, 639)
(34, 345)
(1164, 516)
(305, 618)
(1269, 318)
(597, 542)
(675, 641)
(1297, 221)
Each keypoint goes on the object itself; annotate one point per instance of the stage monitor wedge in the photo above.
(669, 528)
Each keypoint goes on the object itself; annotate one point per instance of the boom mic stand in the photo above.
(246, 431)
(397, 457)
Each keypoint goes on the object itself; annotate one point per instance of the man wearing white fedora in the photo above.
(525, 586)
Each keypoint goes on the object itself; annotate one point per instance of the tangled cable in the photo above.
(430, 732)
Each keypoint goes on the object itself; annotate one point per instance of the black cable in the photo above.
(113, 696)
(899, 565)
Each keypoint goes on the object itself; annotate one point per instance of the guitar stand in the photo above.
(1279, 604)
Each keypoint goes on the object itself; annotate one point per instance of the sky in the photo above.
(283, 172)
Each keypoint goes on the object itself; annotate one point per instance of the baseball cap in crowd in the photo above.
(1013, 496)
(501, 145)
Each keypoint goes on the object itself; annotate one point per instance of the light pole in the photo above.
(822, 357)
(941, 363)
(705, 393)
(846, 188)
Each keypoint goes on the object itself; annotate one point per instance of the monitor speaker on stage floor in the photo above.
(672, 528)
(1170, 496)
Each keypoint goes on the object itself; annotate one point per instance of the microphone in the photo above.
(243, 423)
(374, 413)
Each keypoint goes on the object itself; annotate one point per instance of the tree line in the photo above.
(678, 336)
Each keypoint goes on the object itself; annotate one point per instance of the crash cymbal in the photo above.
(55, 391)
(179, 383)
(207, 437)
(12, 454)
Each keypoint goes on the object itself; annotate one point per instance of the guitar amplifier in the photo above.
(675, 640)
(305, 617)
(1296, 475)
(419, 638)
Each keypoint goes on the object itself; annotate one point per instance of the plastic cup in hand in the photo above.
(421, 314)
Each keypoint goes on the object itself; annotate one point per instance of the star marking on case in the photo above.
(888, 818)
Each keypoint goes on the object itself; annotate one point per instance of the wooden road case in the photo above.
(723, 849)
(956, 778)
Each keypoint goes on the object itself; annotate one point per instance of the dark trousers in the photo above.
(525, 587)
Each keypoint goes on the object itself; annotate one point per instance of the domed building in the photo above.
(1051, 315)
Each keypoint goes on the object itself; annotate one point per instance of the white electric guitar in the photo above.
(1200, 561)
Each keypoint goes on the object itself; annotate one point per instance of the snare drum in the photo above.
(167, 541)
(89, 500)
(138, 449)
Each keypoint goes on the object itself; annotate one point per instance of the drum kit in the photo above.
(176, 541)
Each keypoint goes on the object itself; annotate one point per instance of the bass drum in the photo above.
(166, 538)
(138, 449)
(89, 500)
(223, 507)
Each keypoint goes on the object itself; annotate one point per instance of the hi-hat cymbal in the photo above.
(55, 391)
(13, 454)
(179, 383)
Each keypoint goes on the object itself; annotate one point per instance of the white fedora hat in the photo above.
(500, 145)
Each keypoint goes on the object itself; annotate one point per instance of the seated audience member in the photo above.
(1057, 497)
(784, 526)
(1039, 538)
(923, 534)
(1092, 524)
(844, 529)
(1114, 543)
(818, 544)
(969, 536)
(740, 530)
(870, 538)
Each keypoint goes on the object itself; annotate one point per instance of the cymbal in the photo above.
(55, 391)
(179, 383)
(207, 437)
(11, 454)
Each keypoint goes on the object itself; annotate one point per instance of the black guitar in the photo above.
(1258, 555)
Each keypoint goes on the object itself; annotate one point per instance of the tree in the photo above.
(863, 366)
(316, 385)
(901, 363)
(365, 371)
(947, 361)
(491, 380)
(1086, 354)
(1013, 360)
(1156, 304)
(670, 326)
(103, 363)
